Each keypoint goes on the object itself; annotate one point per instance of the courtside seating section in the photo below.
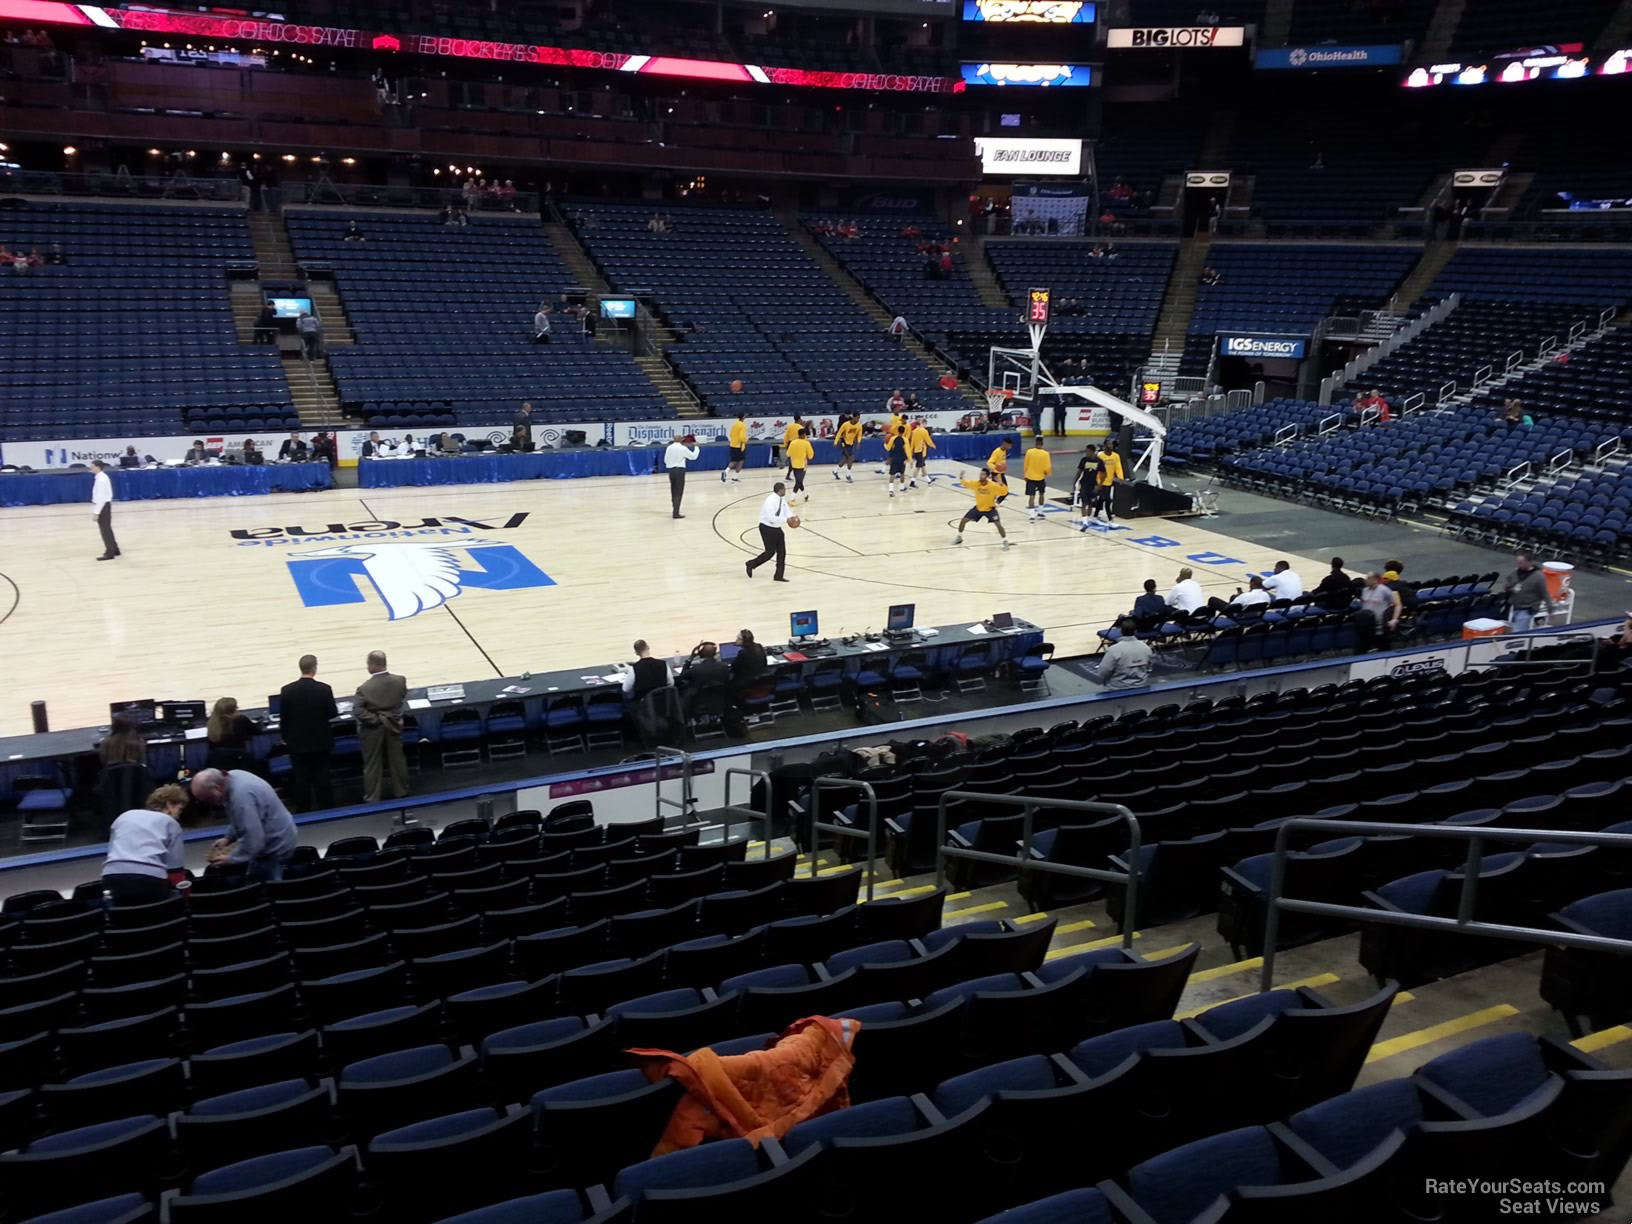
(443, 319)
(769, 315)
(1288, 290)
(134, 334)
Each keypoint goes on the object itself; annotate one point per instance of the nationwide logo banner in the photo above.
(259, 30)
(1369, 56)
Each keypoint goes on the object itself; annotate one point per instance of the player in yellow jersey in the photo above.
(800, 453)
(848, 436)
(998, 464)
(1038, 465)
(919, 444)
(988, 492)
(788, 435)
(738, 438)
(895, 456)
(1105, 480)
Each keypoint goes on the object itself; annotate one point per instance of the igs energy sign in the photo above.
(1290, 347)
(1170, 37)
(1020, 155)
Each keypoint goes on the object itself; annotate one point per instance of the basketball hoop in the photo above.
(997, 399)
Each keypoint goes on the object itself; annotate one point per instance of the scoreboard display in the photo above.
(1037, 307)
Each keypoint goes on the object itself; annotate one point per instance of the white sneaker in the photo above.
(835, 475)
(892, 492)
(736, 480)
(722, 477)
(957, 539)
(1005, 546)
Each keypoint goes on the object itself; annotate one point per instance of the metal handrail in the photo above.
(1509, 479)
(1604, 449)
(1369, 416)
(1515, 358)
(1463, 922)
(1561, 460)
(748, 814)
(1328, 423)
(1446, 390)
(1285, 434)
(1413, 402)
(818, 785)
(1483, 375)
(687, 801)
(1547, 345)
(1028, 806)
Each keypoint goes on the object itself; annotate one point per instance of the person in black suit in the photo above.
(293, 448)
(305, 710)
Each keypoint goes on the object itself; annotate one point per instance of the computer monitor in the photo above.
(139, 712)
(1002, 620)
(274, 704)
(182, 713)
(803, 625)
(901, 617)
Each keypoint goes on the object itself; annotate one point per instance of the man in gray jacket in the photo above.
(1526, 589)
(1126, 664)
(378, 712)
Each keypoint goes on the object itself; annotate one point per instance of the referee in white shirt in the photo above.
(773, 517)
(102, 508)
(675, 458)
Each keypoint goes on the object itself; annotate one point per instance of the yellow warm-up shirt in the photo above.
(986, 493)
(800, 452)
(792, 431)
(998, 461)
(739, 434)
(1038, 463)
(897, 419)
(1110, 469)
(849, 433)
(919, 442)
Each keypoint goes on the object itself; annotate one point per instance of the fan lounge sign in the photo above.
(1178, 37)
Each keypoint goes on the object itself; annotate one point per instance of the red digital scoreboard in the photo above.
(1037, 307)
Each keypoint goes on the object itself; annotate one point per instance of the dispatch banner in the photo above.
(256, 30)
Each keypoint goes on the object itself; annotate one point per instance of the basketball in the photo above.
(793, 521)
(736, 386)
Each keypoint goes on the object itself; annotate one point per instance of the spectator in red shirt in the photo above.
(946, 263)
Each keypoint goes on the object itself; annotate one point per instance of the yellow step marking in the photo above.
(1057, 953)
(1449, 1028)
(887, 883)
(1071, 928)
(958, 896)
(976, 909)
(1320, 979)
(914, 892)
(1209, 975)
(827, 871)
(1604, 1037)
(1164, 953)
(1025, 918)
(1405, 996)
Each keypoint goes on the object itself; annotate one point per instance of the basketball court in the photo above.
(220, 597)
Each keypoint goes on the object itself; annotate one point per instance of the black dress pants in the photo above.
(104, 524)
(677, 488)
(776, 546)
(309, 781)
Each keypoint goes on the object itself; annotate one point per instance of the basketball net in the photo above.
(997, 399)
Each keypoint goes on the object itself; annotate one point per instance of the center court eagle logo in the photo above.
(410, 576)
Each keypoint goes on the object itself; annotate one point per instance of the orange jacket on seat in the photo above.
(749, 1096)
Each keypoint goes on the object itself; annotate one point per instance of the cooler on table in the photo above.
(1483, 626)
(1558, 575)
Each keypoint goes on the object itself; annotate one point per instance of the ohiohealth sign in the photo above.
(1286, 347)
(1328, 57)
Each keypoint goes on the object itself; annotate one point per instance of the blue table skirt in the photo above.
(150, 484)
(636, 461)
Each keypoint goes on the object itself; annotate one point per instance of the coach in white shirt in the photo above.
(1255, 596)
(102, 508)
(774, 514)
(679, 452)
(1284, 583)
(1186, 594)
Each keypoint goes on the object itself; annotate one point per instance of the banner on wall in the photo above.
(1035, 12)
(1057, 75)
(1050, 208)
(1177, 38)
(1027, 155)
(1369, 56)
(60, 454)
(1289, 348)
